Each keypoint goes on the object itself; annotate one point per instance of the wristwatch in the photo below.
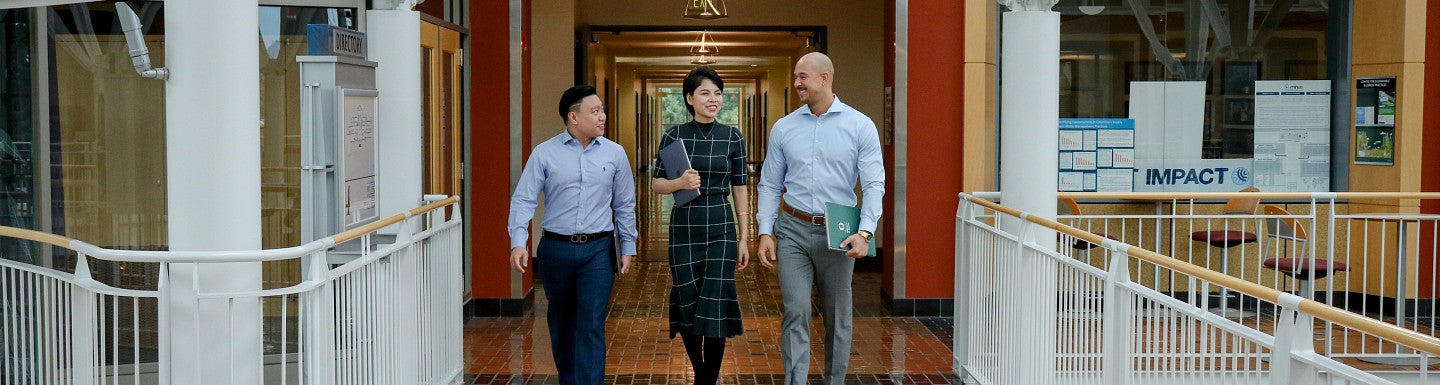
(865, 234)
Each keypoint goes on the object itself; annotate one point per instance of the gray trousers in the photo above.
(804, 261)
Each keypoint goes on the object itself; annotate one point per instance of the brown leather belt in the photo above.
(818, 220)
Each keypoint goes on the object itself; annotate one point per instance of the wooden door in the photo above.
(440, 77)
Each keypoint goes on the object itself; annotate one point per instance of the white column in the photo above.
(395, 43)
(212, 104)
(1030, 110)
(1029, 124)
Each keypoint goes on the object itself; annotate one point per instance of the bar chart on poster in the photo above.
(1097, 155)
(1292, 135)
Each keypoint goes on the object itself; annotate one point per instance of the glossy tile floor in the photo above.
(886, 349)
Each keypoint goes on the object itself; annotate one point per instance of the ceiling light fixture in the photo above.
(1091, 9)
(704, 45)
(702, 60)
(705, 9)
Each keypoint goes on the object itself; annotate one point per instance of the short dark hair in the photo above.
(693, 80)
(571, 99)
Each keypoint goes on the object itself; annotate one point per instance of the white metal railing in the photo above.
(1027, 313)
(390, 314)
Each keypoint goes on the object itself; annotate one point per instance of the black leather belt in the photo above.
(579, 238)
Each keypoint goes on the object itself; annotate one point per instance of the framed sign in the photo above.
(357, 149)
(1375, 102)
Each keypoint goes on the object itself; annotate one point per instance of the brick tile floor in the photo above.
(885, 349)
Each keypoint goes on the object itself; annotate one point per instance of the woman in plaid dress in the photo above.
(705, 250)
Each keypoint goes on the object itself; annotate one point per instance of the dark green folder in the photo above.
(840, 222)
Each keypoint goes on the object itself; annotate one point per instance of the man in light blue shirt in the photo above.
(589, 199)
(816, 155)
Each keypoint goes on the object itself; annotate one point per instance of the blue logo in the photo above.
(1240, 176)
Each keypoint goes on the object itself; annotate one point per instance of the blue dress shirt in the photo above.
(816, 159)
(587, 190)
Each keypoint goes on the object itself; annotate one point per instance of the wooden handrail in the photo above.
(1323, 311)
(32, 235)
(216, 256)
(346, 236)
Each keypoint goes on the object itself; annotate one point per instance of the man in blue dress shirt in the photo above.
(816, 155)
(589, 199)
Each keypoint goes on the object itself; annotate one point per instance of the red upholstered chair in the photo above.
(1226, 239)
(1302, 269)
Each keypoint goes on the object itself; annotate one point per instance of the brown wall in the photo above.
(855, 30)
(1390, 40)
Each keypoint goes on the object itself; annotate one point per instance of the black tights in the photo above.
(705, 359)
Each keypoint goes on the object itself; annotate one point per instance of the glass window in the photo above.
(1226, 44)
(17, 126)
(107, 134)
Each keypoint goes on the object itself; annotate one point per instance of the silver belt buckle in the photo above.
(579, 238)
(817, 221)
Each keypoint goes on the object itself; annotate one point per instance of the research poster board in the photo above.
(1375, 120)
(358, 148)
(1292, 135)
(1097, 155)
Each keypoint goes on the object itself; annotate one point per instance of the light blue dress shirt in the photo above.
(816, 159)
(587, 190)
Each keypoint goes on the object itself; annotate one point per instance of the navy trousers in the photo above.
(577, 279)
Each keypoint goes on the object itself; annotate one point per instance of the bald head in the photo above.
(818, 63)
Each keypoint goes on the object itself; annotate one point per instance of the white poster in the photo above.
(1115, 180)
(358, 147)
(1292, 135)
(1169, 119)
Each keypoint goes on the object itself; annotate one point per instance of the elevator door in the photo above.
(440, 76)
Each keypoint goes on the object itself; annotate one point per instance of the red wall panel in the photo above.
(935, 151)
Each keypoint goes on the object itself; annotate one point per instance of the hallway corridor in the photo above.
(886, 349)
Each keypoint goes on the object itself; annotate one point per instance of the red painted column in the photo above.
(488, 201)
(1430, 163)
(935, 145)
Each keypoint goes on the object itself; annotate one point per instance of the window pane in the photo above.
(17, 198)
(672, 107)
(1108, 44)
(107, 130)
